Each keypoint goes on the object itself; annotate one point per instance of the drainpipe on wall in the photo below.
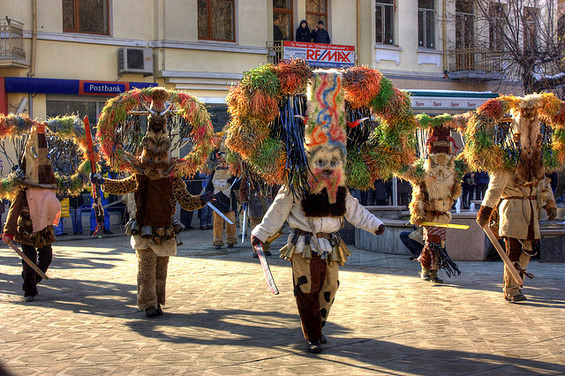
(444, 34)
(33, 50)
(358, 41)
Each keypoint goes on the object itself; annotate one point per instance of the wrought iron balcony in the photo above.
(474, 64)
(12, 53)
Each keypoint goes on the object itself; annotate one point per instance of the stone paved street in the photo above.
(220, 319)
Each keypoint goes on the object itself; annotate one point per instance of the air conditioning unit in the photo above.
(135, 60)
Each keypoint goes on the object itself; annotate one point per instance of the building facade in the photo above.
(69, 56)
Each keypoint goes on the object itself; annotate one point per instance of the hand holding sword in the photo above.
(258, 247)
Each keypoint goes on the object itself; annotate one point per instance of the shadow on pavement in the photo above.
(393, 357)
(276, 330)
(79, 296)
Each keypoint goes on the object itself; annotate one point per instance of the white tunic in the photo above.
(286, 207)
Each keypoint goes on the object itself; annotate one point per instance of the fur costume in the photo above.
(315, 216)
(49, 163)
(520, 193)
(34, 210)
(157, 189)
(223, 185)
(435, 187)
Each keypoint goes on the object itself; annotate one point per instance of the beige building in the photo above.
(65, 56)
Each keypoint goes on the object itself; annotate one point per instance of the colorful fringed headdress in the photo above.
(130, 143)
(492, 143)
(270, 138)
(43, 154)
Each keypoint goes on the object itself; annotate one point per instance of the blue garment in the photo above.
(76, 220)
(205, 216)
(59, 229)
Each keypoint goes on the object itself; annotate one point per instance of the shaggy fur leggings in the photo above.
(218, 229)
(151, 278)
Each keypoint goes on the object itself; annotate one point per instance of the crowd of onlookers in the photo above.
(474, 186)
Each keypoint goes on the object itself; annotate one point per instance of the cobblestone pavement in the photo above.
(220, 319)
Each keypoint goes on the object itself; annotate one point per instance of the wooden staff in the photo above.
(503, 255)
(28, 261)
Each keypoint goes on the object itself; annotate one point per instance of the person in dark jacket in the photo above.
(194, 187)
(320, 35)
(257, 197)
(482, 179)
(303, 32)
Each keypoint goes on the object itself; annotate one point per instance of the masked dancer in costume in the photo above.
(156, 183)
(518, 187)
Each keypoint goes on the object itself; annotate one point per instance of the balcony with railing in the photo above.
(475, 64)
(12, 53)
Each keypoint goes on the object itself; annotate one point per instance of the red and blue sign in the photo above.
(73, 87)
(320, 55)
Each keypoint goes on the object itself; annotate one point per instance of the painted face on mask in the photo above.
(327, 166)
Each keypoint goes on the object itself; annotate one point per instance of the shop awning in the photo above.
(450, 101)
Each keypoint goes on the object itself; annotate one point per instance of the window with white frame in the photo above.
(426, 24)
(384, 21)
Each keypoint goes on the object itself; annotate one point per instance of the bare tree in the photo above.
(529, 34)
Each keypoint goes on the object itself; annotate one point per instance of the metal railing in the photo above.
(475, 59)
(275, 51)
(11, 39)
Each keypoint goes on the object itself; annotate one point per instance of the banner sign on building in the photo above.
(109, 88)
(320, 55)
(105, 88)
(73, 87)
(449, 101)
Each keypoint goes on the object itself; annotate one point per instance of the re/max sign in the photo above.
(320, 55)
(327, 55)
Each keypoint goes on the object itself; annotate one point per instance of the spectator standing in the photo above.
(60, 228)
(482, 179)
(205, 213)
(472, 187)
(257, 197)
(465, 187)
(194, 187)
(380, 194)
(2, 207)
(320, 35)
(303, 32)
(75, 203)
